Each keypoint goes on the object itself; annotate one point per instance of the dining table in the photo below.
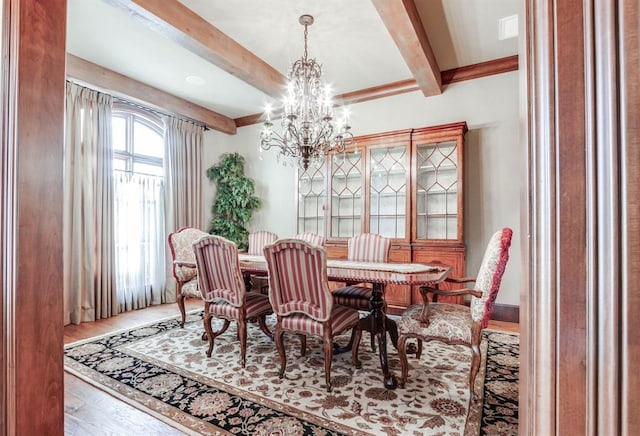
(378, 275)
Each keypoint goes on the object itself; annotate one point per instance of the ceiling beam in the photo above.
(468, 72)
(403, 23)
(128, 88)
(180, 24)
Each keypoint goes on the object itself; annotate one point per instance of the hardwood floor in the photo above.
(90, 411)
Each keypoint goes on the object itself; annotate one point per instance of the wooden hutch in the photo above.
(406, 185)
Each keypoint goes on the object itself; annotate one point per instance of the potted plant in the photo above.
(235, 200)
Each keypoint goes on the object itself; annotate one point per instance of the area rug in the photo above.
(163, 369)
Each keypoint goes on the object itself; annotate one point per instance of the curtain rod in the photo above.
(140, 106)
(159, 112)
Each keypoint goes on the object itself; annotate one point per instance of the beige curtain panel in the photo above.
(88, 251)
(183, 175)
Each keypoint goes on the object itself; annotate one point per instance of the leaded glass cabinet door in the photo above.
(312, 198)
(346, 194)
(438, 188)
(388, 170)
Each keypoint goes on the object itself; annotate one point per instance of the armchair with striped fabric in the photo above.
(314, 238)
(260, 239)
(302, 301)
(366, 247)
(224, 293)
(257, 241)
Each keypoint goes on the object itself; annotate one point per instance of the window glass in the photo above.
(137, 136)
(144, 168)
(119, 164)
(146, 141)
(119, 133)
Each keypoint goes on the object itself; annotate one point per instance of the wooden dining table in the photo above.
(379, 275)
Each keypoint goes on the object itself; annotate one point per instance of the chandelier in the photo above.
(308, 129)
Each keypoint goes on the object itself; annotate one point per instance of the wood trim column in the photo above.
(33, 87)
(629, 49)
(580, 361)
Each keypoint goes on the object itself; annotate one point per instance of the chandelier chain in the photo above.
(306, 26)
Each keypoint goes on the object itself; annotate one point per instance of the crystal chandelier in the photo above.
(308, 130)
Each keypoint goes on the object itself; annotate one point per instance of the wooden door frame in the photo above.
(579, 360)
(31, 175)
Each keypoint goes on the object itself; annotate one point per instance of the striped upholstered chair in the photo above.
(258, 240)
(224, 293)
(366, 247)
(302, 301)
(184, 270)
(314, 238)
(453, 323)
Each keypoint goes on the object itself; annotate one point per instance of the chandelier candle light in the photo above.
(307, 119)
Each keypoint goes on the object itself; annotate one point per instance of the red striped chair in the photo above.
(453, 323)
(258, 240)
(366, 247)
(223, 291)
(314, 238)
(302, 301)
(184, 270)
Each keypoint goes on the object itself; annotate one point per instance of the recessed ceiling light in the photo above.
(195, 80)
(508, 27)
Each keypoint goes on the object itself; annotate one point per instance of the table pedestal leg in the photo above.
(247, 282)
(378, 326)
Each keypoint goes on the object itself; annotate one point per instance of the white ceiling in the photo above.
(348, 38)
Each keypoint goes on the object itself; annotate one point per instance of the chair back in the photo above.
(258, 240)
(298, 279)
(181, 246)
(490, 275)
(314, 238)
(368, 247)
(219, 274)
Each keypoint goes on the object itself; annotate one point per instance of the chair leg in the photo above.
(404, 364)
(280, 347)
(242, 333)
(211, 334)
(180, 301)
(209, 331)
(262, 323)
(475, 366)
(373, 342)
(303, 344)
(356, 335)
(328, 356)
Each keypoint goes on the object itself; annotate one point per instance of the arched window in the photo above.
(137, 140)
(139, 208)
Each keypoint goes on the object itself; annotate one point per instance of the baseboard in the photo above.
(506, 313)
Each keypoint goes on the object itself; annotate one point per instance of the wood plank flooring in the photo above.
(90, 411)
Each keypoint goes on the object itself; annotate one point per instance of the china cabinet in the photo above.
(406, 185)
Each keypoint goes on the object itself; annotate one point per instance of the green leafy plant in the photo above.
(234, 203)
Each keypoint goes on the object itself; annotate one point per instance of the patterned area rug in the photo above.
(164, 370)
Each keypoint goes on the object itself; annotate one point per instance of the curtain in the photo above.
(183, 174)
(88, 251)
(139, 211)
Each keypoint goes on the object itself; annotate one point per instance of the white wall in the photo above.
(493, 162)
